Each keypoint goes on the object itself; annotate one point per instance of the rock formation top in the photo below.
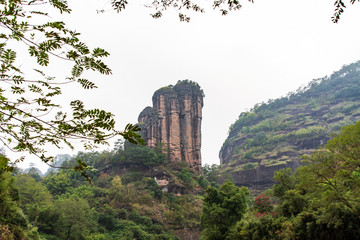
(175, 122)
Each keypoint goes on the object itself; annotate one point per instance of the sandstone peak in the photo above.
(175, 121)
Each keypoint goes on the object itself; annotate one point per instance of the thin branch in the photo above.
(38, 81)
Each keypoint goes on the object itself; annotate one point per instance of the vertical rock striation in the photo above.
(175, 122)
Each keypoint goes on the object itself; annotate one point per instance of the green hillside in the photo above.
(275, 134)
(134, 193)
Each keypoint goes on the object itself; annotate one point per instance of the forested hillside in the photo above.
(134, 193)
(320, 201)
(275, 134)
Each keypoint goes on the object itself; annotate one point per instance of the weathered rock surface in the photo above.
(175, 122)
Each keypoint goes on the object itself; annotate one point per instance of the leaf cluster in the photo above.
(222, 208)
(339, 9)
(183, 6)
(30, 116)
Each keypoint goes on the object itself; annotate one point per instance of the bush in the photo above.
(263, 204)
(186, 177)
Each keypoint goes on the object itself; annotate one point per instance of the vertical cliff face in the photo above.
(175, 122)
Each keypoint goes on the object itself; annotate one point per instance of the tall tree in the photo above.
(73, 218)
(12, 219)
(222, 208)
(334, 171)
(33, 196)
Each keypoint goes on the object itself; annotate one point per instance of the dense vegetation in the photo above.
(276, 133)
(124, 200)
(319, 201)
(133, 192)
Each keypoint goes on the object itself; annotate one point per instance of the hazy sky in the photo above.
(263, 51)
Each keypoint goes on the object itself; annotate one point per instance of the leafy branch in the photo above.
(339, 9)
(182, 6)
(30, 119)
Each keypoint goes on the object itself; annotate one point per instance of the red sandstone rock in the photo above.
(175, 121)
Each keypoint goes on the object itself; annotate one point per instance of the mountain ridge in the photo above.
(275, 134)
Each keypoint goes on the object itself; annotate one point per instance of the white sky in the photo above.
(262, 51)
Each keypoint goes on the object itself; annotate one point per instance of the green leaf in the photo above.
(86, 84)
(77, 70)
(61, 5)
(99, 52)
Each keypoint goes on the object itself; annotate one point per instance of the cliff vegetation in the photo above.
(275, 134)
(320, 201)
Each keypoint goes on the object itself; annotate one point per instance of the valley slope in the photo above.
(275, 134)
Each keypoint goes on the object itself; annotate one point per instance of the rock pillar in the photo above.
(175, 121)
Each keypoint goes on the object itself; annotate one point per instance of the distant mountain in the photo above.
(58, 161)
(275, 134)
(33, 171)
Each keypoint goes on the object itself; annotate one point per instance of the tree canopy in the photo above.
(222, 208)
(124, 200)
(319, 201)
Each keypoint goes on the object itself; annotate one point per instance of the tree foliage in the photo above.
(335, 170)
(339, 9)
(74, 218)
(13, 222)
(30, 116)
(184, 7)
(33, 196)
(63, 205)
(319, 201)
(222, 208)
(141, 155)
(210, 173)
(262, 204)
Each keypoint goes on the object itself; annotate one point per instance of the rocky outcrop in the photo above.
(174, 121)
